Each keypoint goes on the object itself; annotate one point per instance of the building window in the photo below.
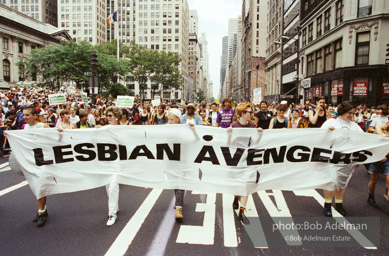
(6, 71)
(20, 46)
(328, 57)
(304, 36)
(310, 64)
(5, 43)
(364, 8)
(310, 32)
(327, 20)
(319, 24)
(319, 61)
(339, 12)
(362, 49)
(338, 54)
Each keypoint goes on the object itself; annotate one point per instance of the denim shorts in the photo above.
(379, 168)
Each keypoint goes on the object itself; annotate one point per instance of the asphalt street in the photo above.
(146, 224)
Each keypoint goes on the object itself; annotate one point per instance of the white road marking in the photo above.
(124, 240)
(255, 226)
(359, 237)
(201, 234)
(4, 164)
(15, 187)
(230, 237)
(279, 210)
(5, 169)
(158, 246)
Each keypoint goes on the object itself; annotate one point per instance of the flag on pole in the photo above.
(112, 18)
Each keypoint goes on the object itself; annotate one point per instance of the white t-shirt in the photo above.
(37, 126)
(379, 120)
(338, 123)
(91, 119)
(74, 119)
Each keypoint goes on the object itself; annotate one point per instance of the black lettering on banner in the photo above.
(39, 157)
(361, 156)
(317, 157)
(174, 155)
(301, 156)
(122, 152)
(103, 149)
(136, 152)
(340, 157)
(232, 161)
(212, 155)
(87, 155)
(59, 154)
(278, 157)
(252, 154)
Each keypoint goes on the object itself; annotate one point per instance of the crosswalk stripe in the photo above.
(230, 237)
(259, 240)
(359, 237)
(4, 164)
(124, 240)
(5, 169)
(10, 189)
(204, 234)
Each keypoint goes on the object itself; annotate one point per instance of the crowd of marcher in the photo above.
(24, 108)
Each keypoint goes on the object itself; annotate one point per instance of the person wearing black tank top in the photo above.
(318, 116)
(279, 122)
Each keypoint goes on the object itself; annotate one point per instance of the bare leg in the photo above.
(42, 203)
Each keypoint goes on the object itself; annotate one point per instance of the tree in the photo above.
(110, 48)
(166, 72)
(200, 96)
(212, 99)
(141, 65)
(116, 89)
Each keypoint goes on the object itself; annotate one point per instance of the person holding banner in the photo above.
(174, 117)
(114, 115)
(191, 117)
(30, 115)
(346, 111)
(379, 167)
(244, 113)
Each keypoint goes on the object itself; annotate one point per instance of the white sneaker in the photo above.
(111, 220)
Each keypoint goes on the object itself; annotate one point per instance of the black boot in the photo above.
(371, 201)
(327, 210)
(340, 209)
(235, 204)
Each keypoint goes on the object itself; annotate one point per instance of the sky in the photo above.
(213, 21)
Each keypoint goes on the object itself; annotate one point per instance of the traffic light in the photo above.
(387, 50)
(93, 59)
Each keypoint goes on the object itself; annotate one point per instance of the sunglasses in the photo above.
(109, 115)
(244, 112)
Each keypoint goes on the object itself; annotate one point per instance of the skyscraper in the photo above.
(158, 25)
(85, 20)
(43, 10)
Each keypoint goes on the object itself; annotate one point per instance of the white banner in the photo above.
(257, 95)
(125, 101)
(57, 99)
(205, 159)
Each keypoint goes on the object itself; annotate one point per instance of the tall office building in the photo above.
(194, 54)
(158, 25)
(223, 62)
(232, 38)
(253, 47)
(85, 20)
(43, 10)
